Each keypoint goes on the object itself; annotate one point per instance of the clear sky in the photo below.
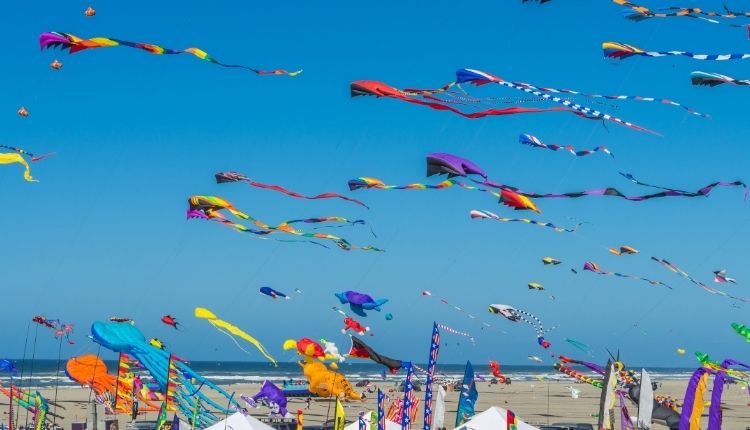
(104, 231)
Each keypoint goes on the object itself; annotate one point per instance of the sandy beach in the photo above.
(537, 402)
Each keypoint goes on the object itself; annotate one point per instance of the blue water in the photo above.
(43, 373)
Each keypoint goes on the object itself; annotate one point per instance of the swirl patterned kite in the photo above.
(516, 315)
(527, 139)
(620, 51)
(476, 214)
(642, 13)
(594, 268)
(210, 207)
(224, 177)
(713, 79)
(72, 43)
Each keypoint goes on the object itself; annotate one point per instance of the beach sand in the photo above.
(537, 402)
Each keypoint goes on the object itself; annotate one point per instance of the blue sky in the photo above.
(104, 233)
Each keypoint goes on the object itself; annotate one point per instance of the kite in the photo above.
(580, 345)
(720, 276)
(535, 286)
(89, 12)
(331, 350)
(274, 294)
(65, 330)
(9, 158)
(156, 343)
(516, 315)
(56, 65)
(550, 260)
(34, 158)
(7, 366)
(170, 321)
(360, 302)
(714, 79)
(354, 325)
(621, 51)
(495, 368)
(22, 112)
(454, 331)
(624, 250)
(534, 358)
(527, 139)
(230, 329)
(327, 383)
(359, 349)
(210, 207)
(426, 293)
(272, 395)
(121, 320)
(388, 316)
(642, 13)
(594, 268)
(474, 214)
(224, 177)
(307, 348)
(681, 351)
(46, 322)
(700, 284)
(183, 387)
(72, 43)
(742, 330)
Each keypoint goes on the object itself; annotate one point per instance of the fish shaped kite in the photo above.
(72, 43)
(620, 51)
(720, 277)
(477, 214)
(550, 260)
(624, 250)
(714, 79)
(274, 294)
(594, 268)
(360, 302)
(156, 343)
(170, 321)
(231, 330)
(355, 326)
(225, 177)
(527, 139)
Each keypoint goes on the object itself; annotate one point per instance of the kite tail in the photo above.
(14, 157)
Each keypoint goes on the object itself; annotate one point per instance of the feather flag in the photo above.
(468, 396)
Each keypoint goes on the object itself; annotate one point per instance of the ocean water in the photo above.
(45, 374)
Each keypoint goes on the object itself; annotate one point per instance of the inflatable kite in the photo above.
(332, 351)
(327, 383)
(307, 348)
(231, 330)
(550, 260)
(742, 330)
(623, 250)
(12, 157)
(156, 343)
(210, 207)
(89, 12)
(56, 65)
(354, 325)
(533, 141)
(497, 374)
(22, 112)
(170, 321)
(594, 268)
(517, 315)
(174, 377)
(360, 302)
(714, 79)
(224, 177)
(720, 276)
(359, 349)
(621, 51)
(270, 394)
(72, 43)
(274, 294)
(477, 214)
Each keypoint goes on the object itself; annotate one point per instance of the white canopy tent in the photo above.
(237, 421)
(493, 418)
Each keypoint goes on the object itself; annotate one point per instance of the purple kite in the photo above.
(360, 302)
(272, 395)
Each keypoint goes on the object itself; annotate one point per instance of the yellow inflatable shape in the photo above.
(327, 383)
(13, 157)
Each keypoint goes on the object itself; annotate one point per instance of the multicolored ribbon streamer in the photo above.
(527, 139)
(482, 214)
(619, 51)
(594, 268)
(714, 79)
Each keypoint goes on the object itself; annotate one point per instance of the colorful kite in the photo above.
(307, 348)
(274, 294)
(355, 326)
(742, 330)
(624, 250)
(224, 177)
(271, 395)
(360, 302)
(325, 383)
(550, 260)
(642, 13)
(170, 321)
(527, 139)
(594, 268)
(210, 207)
(535, 286)
(621, 51)
(230, 329)
(67, 41)
(56, 65)
(22, 112)
(720, 277)
(89, 12)
(359, 349)
(474, 214)
(156, 343)
(497, 374)
(714, 79)
(673, 268)
(516, 315)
